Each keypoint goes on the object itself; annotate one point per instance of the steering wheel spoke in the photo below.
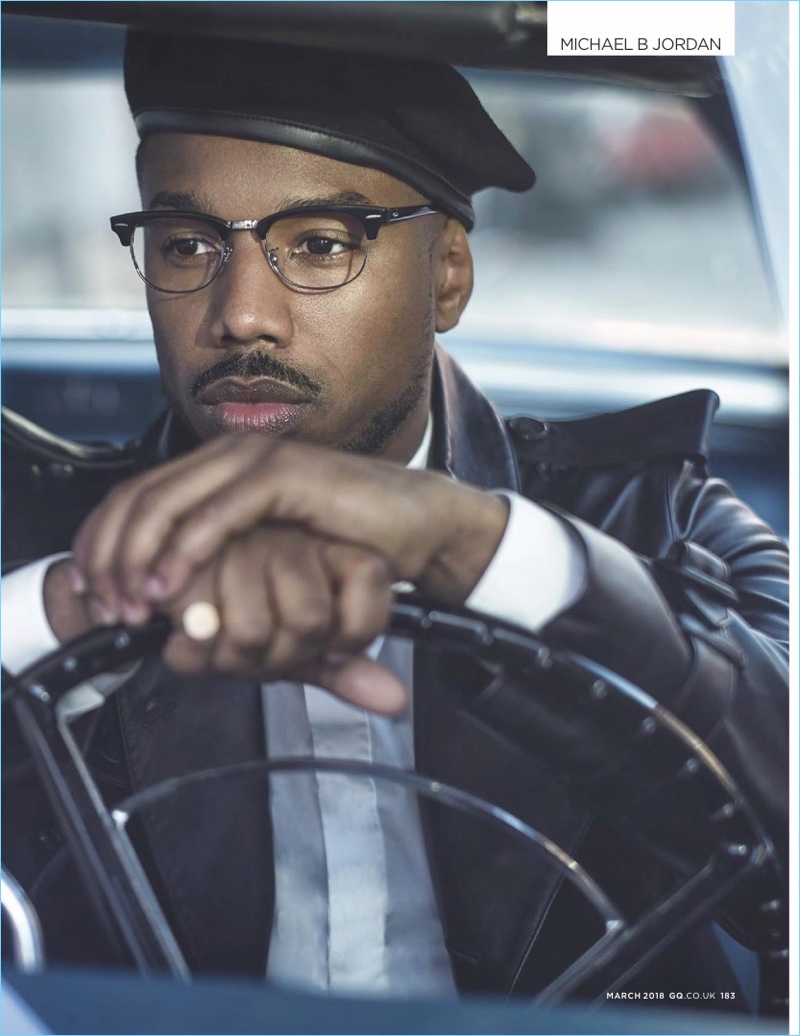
(643, 770)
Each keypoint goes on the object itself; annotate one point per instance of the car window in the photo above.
(637, 236)
(632, 270)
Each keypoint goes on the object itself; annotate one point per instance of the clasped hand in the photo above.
(297, 547)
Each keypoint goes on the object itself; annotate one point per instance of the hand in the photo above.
(152, 534)
(67, 612)
(292, 606)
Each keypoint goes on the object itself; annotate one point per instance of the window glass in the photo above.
(638, 234)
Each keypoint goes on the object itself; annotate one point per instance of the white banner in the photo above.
(672, 28)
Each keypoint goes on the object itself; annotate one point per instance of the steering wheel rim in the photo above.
(743, 846)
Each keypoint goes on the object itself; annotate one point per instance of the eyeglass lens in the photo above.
(318, 250)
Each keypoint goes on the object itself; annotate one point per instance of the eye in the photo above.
(323, 245)
(317, 249)
(188, 246)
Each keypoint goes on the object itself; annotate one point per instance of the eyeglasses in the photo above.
(316, 248)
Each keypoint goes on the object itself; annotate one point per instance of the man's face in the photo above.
(348, 368)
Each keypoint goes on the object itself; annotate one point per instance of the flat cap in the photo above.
(419, 121)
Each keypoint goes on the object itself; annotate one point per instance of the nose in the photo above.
(249, 303)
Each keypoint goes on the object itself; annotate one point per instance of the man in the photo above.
(303, 237)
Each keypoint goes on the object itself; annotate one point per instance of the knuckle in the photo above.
(149, 500)
(198, 528)
(292, 552)
(369, 568)
(283, 652)
(354, 640)
(359, 629)
(205, 512)
(130, 552)
(310, 623)
(229, 658)
(249, 636)
(97, 572)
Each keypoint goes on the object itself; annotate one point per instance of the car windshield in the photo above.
(638, 235)
(633, 269)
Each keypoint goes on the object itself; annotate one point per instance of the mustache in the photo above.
(255, 365)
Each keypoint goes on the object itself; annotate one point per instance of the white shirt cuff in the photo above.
(26, 633)
(536, 573)
(26, 636)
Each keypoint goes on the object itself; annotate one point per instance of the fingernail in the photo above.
(78, 583)
(101, 613)
(133, 612)
(154, 588)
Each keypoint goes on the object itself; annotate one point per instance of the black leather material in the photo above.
(40, 475)
(642, 433)
(497, 905)
(418, 121)
(308, 138)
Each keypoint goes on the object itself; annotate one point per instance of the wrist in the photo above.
(472, 525)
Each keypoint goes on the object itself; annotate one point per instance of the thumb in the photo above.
(360, 681)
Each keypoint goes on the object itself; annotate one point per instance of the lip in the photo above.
(251, 405)
(252, 390)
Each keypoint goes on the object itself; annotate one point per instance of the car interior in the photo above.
(640, 266)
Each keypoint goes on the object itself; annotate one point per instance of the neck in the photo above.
(404, 445)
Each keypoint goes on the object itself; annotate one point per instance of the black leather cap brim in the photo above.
(416, 120)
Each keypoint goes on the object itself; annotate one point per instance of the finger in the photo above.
(301, 594)
(302, 485)
(135, 521)
(184, 653)
(97, 541)
(159, 510)
(361, 682)
(93, 553)
(364, 587)
(244, 601)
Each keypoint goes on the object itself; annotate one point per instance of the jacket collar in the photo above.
(470, 441)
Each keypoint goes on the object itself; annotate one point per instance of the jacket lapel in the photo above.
(469, 438)
(208, 846)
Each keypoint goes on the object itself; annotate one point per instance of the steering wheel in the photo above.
(718, 846)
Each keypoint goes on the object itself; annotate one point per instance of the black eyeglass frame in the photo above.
(372, 218)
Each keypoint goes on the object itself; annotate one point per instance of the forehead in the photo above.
(228, 175)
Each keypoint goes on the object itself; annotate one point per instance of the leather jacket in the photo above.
(631, 488)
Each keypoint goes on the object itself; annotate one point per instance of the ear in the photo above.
(453, 275)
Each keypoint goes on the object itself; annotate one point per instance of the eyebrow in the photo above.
(189, 202)
(178, 200)
(338, 198)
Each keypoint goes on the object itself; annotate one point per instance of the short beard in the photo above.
(384, 425)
